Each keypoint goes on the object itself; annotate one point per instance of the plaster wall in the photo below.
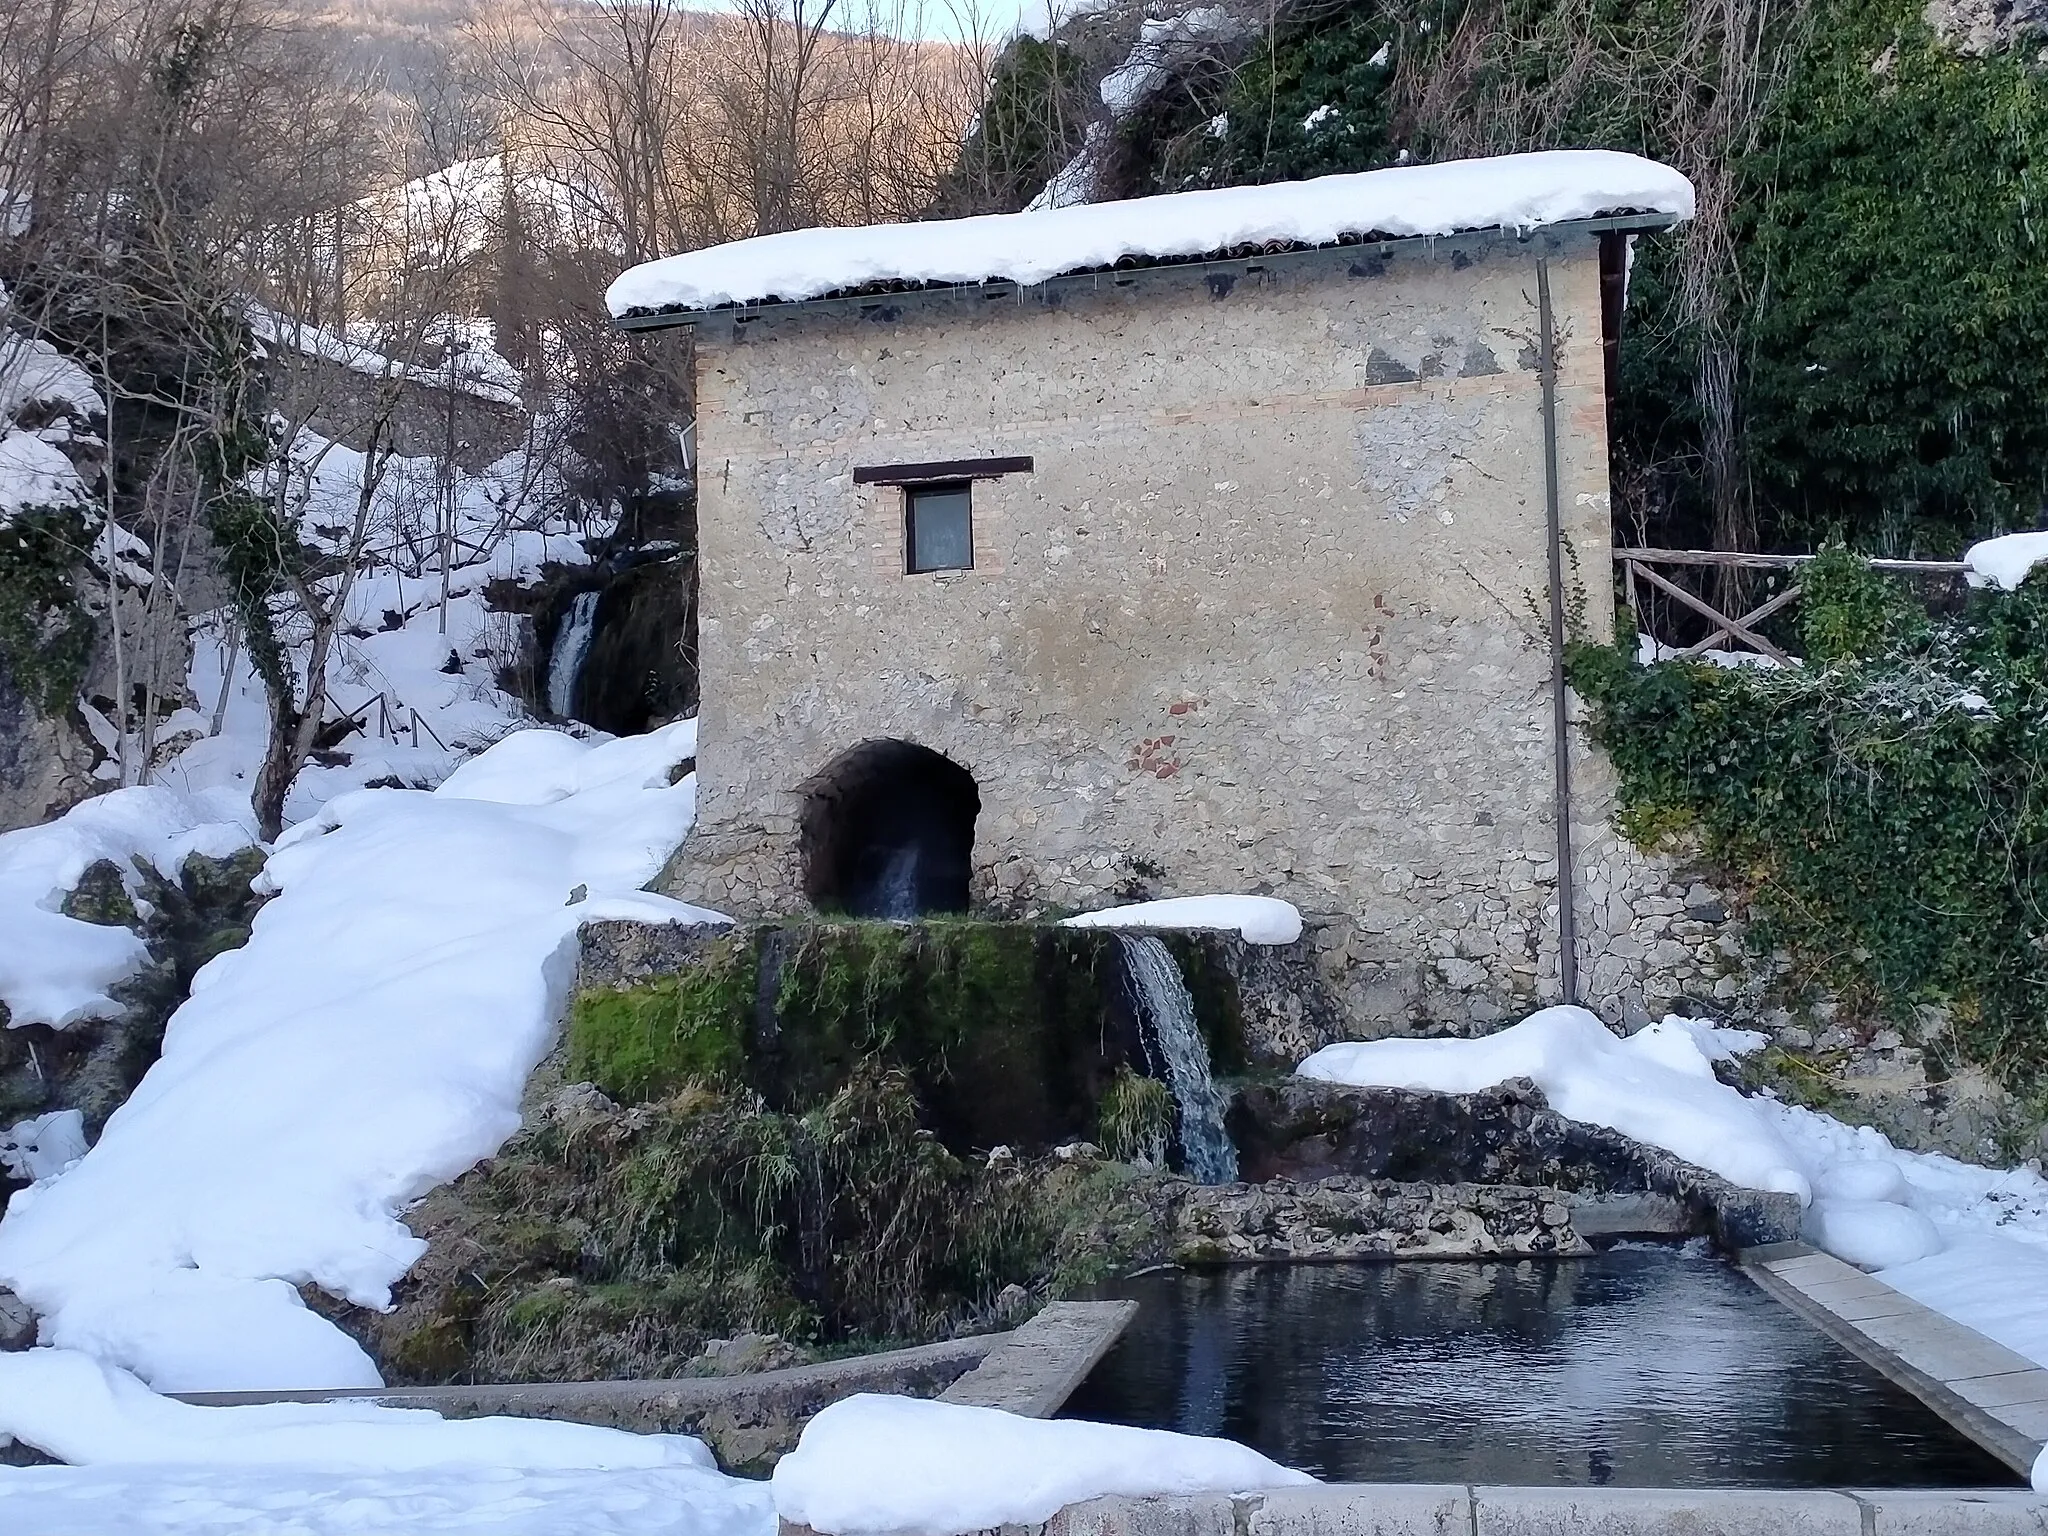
(1267, 614)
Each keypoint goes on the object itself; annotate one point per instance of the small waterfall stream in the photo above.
(1166, 1017)
(572, 644)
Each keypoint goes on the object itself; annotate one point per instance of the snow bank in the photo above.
(2004, 562)
(1260, 919)
(1970, 1242)
(1511, 191)
(292, 1501)
(56, 970)
(1658, 1085)
(870, 1465)
(369, 1042)
(143, 1463)
(71, 1406)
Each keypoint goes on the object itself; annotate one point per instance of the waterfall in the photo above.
(1166, 1020)
(572, 643)
(896, 892)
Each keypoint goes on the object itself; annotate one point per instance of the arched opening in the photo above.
(888, 831)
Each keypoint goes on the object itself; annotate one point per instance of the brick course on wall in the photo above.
(1269, 612)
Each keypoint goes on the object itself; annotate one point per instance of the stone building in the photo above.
(1171, 547)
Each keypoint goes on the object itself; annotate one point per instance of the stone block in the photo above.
(1341, 1509)
(2005, 1390)
(1194, 1514)
(1941, 1512)
(1662, 1512)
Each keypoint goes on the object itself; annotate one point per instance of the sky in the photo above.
(939, 20)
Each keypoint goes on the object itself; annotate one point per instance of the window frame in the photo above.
(911, 491)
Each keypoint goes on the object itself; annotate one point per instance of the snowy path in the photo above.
(370, 1041)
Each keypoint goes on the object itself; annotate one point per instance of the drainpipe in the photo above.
(1567, 915)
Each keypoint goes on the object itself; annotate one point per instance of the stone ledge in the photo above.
(1456, 1509)
(748, 1421)
(1036, 1369)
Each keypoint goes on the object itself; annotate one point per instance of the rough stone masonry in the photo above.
(1267, 613)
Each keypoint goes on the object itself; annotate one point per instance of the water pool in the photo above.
(1643, 1366)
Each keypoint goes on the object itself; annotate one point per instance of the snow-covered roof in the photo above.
(1518, 192)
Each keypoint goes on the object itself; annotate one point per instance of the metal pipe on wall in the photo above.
(1567, 913)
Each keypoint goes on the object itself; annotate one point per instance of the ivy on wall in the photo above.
(1885, 805)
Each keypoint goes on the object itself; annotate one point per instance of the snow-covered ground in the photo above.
(370, 1041)
(1967, 1241)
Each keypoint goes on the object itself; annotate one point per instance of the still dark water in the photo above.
(1642, 1366)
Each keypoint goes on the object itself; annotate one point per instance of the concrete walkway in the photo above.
(1997, 1398)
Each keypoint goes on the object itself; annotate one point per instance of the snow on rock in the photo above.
(55, 969)
(1657, 1085)
(2004, 562)
(898, 1466)
(34, 473)
(143, 1463)
(1259, 919)
(33, 372)
(369, 1042)
(1970, 1242)
(496, 381)
(1162, 44)
(1512, 191)
(44, 1146)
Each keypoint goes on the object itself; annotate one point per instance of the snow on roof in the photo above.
(470, 373)
(1509, 191)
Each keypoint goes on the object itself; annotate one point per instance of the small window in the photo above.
(938, 527)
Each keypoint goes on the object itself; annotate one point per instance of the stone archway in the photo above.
(887, 830)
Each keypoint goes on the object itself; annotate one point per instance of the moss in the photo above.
(438, 1347)
(102, 897)
(648, 1039)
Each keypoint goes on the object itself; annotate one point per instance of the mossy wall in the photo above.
(1010, 1033)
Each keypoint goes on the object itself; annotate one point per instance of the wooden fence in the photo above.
(1640, 578)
